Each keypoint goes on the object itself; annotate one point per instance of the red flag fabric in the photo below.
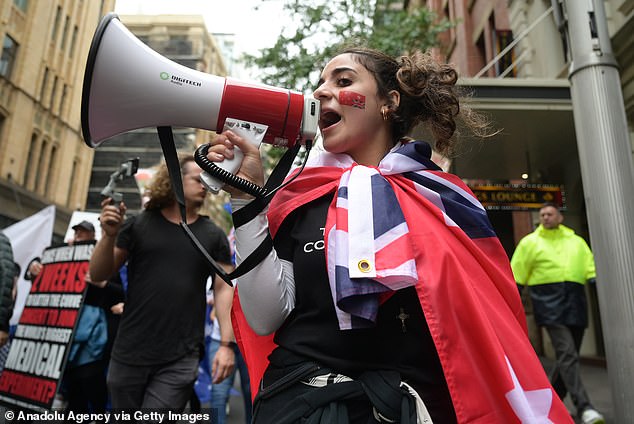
(466, 290)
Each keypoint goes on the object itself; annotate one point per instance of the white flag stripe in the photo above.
(329, 159)
(361, 223)
(408, 275)
(341, 255)
(397, 164)
(344, 319)
(435, 198)
(465, 194)
(391, 236)
(530, 406)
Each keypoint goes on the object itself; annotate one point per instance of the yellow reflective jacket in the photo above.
(551, 256)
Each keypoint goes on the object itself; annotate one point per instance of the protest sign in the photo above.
(36, 360)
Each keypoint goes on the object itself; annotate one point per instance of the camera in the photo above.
(126, 169)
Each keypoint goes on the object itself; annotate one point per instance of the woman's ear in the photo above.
(394, 98)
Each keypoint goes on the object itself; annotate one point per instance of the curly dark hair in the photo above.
(160, 189)
(428, 91)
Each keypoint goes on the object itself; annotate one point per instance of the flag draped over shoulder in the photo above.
(421, 226)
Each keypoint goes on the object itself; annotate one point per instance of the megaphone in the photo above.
(128, 86)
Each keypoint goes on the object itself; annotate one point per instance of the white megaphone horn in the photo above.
(128, 86)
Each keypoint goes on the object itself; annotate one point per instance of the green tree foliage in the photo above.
(323, 27)
(320, 28)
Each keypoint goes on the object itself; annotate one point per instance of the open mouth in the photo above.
(328, 119)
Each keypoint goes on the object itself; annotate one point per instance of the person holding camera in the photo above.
(154, 360)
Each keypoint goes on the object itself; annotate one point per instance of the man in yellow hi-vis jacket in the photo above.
(555, 264)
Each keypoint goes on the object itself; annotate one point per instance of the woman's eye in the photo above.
(344, 82)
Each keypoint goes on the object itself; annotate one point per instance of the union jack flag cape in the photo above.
(441, 241)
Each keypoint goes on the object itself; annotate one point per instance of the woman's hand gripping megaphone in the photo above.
(244, 154)
(222, 167)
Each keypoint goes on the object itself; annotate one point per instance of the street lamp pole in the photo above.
(607, 171)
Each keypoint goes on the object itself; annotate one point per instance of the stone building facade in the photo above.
(43, 158)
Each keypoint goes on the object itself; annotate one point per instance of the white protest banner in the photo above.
(79, 216)
(29, 237)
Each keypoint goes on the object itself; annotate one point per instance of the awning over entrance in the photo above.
(537, 135)
(536, 143)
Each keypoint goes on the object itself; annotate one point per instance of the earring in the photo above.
(384, 112)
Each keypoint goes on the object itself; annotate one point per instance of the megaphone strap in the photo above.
(166, 136)
(257, 256)
(273, 184)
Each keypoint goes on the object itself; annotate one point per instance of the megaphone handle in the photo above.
(225, 170)
(214, 176)
(230, 165)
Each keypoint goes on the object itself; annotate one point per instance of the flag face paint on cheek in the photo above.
(350, 98)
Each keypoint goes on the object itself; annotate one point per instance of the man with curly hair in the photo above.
(154, 361)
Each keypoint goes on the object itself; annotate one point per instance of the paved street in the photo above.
(597, 383)
(236, 409)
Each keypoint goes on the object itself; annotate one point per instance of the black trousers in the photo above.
(566, 375)
(153, 387)
(86, 389)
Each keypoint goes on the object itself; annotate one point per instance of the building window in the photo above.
(71, 184)
(178, 45)
(62, 99)
(481, 53)
(101, 10)
(62, 45)
(40, 167)
(2, 119)
(73, 41)
(50, 170)
(29, 159)
(53, 90)
(9, 54)
(58, 16)
(44, 84)
(21, 4)
(505, 64)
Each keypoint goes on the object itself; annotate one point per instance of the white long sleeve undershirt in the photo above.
(267, 292)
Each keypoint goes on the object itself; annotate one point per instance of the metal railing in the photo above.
(508, 48)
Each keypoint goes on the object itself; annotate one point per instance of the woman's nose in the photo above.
(322, 92)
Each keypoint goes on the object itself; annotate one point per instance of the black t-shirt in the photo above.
(164, 312)
(311, 331)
